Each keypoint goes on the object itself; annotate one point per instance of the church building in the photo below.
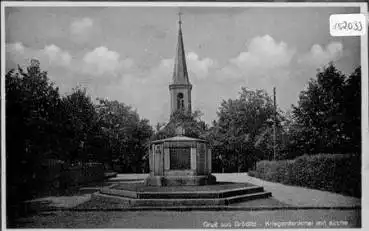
(180, 160)
(180, 87)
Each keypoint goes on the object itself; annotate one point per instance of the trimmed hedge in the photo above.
(330, 172)
(85, 173)
(51, 176)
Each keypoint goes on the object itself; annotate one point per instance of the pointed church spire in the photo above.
(180, 75)
(180, 88)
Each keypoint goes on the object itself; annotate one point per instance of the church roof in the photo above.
(180, 75)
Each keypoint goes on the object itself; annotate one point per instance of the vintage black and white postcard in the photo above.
(184, 115)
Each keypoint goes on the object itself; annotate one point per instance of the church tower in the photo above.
(180, 87)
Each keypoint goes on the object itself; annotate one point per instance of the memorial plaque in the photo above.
(180, 158)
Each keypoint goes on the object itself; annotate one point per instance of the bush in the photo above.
(331, 172)
(251, 173)
(83, 173)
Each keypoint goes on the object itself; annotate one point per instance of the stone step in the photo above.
(247, 197)
(242, 191)
(199, 194)
(119, 192)
(197, 201)
(177, 202)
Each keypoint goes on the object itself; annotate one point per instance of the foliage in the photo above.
(326, 119)
(328, 113)
(191, 123)
(243, 127)
(31, 109)
(32, 105)
(80, 125)
(332, 172)
(84, 173)
(126, 135)
(352, 111)
(42, 125)
(32, 128)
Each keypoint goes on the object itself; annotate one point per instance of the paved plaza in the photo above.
(292, 195)
(303, 208)
(289, 195)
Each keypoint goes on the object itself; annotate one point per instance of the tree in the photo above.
(241, 128)
(352, 110)
(32, 128)
(192, 124)
(32, 104)
(40, 125)
(126, 135)
(80, 126)
(325, 112)
(291, 141)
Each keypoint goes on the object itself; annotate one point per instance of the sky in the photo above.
(127, 53)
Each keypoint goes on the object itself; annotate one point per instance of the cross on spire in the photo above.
(180, 75)
(180, 17)
(180, 87)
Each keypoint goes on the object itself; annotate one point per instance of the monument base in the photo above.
(178, 197)
(180, 180)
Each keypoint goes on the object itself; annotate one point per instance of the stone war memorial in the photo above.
(180, 166)
(180, 160)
